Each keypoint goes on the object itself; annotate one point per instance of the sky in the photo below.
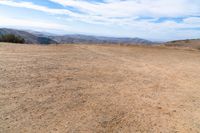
(157, 20)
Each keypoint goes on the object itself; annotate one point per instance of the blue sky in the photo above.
(160, 20)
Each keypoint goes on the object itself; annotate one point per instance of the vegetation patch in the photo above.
(11, 38)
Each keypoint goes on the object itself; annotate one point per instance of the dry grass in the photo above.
(192, 44)
(85, 88)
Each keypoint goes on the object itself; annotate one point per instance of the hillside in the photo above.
(28, 37)
(193, 43)
(45, 38)
(99, 89)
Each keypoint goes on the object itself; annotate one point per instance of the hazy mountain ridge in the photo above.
(32, 37)
(98, 40)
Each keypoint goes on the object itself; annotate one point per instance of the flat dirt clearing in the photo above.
(90, 88)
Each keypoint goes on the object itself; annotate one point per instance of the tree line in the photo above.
(11, 38)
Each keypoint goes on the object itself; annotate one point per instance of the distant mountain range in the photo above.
(98, 40)
(32, 37)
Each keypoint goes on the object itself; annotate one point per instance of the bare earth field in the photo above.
(99, 89)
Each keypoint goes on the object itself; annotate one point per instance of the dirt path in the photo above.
(88, 88)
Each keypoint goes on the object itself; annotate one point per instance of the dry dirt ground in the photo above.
(98, 89)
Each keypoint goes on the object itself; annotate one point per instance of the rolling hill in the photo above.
(190, 43)
(29, 37)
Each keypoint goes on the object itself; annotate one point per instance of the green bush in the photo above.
(11, 38)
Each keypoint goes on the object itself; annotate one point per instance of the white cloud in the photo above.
(117, 11)
(192, 21)
(30, 5)
(129, 8)
(13, 22)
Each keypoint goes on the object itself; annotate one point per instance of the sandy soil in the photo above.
(98, 89)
